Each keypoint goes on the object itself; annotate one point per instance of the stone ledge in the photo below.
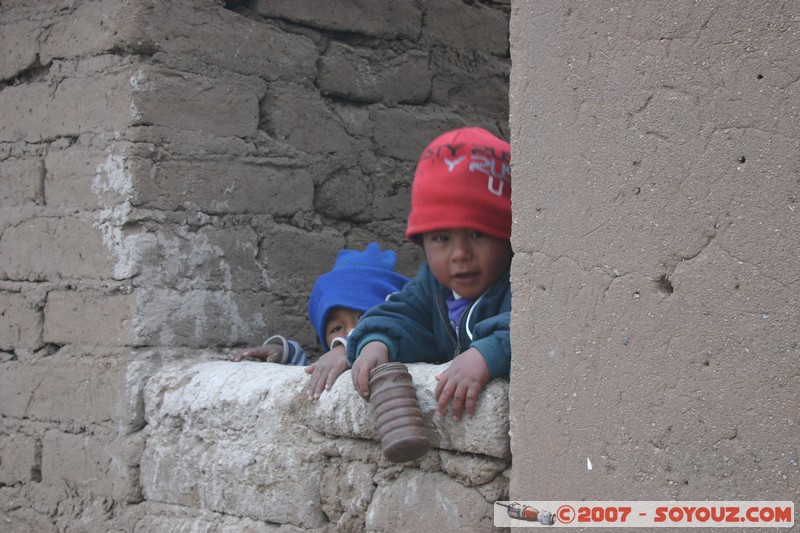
(238, 393)
(243, 440)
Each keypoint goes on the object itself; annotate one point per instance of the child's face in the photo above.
(341, 321)
(466, 261)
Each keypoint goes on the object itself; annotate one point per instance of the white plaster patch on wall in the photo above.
(140, 83)
(224, 310)
(412, 493)
(136, 113)
(186, 254)
(220, 205)
(113, 186)
(191, 318)
(112, 176)
(253, 251)
(127, 249)
(227, 277)
(130, 400)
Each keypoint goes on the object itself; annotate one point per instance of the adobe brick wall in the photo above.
(655, 325)
(175, 177)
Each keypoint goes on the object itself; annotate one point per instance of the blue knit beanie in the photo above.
(358, 281)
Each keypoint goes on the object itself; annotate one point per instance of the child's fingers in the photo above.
(372, 356)
(355, 376)
(312, 383)
(270, 353)
(457, 405)
(317, 381)
(363, 381)
(244, 355)
(274, 357)
(440, 383)
(458, 401)
(472, 400)
(444, 395)
(324, 372)
(333, 375)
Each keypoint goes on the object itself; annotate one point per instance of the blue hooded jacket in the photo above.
(413, 324)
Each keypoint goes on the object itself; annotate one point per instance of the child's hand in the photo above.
(462, 382)
(373, 354)
(325, 371)
(271, 353)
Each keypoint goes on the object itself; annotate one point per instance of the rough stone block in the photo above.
(432, 496)
(91, 464)
(87, 29)
(476, 26)
(340, 411)
(346, 491)
(159, 143)
(223, 186)
(197, 318)
(454, 85)
(222, 106)
(286, 106)
(79, 460)
(277, 478)
(47, 248)
(286, 250)
(403, 135)
(23, 180)
(155, 516)
(257, 48)
(116, 100)
(64, 389)
(365, 75)
(21, 457)
(15, 391)
(486, 433)
(20, 322)
(367, 195)
(89, 317)
(18, 45)
(18, 516)
(88, 177)
(206, 258)
(41, 111)
(129, 417)
(389, 19)
(471, 470)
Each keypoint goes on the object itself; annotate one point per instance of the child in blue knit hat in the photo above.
(357, 282)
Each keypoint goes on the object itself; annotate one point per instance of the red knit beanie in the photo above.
(463, 180)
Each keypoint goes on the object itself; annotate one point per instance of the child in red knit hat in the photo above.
(458, 307)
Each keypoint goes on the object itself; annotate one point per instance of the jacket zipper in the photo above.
(456, 337)
(439, 305)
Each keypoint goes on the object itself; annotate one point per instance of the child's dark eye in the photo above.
(439, 237)
(335, 329)
(477, 234)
